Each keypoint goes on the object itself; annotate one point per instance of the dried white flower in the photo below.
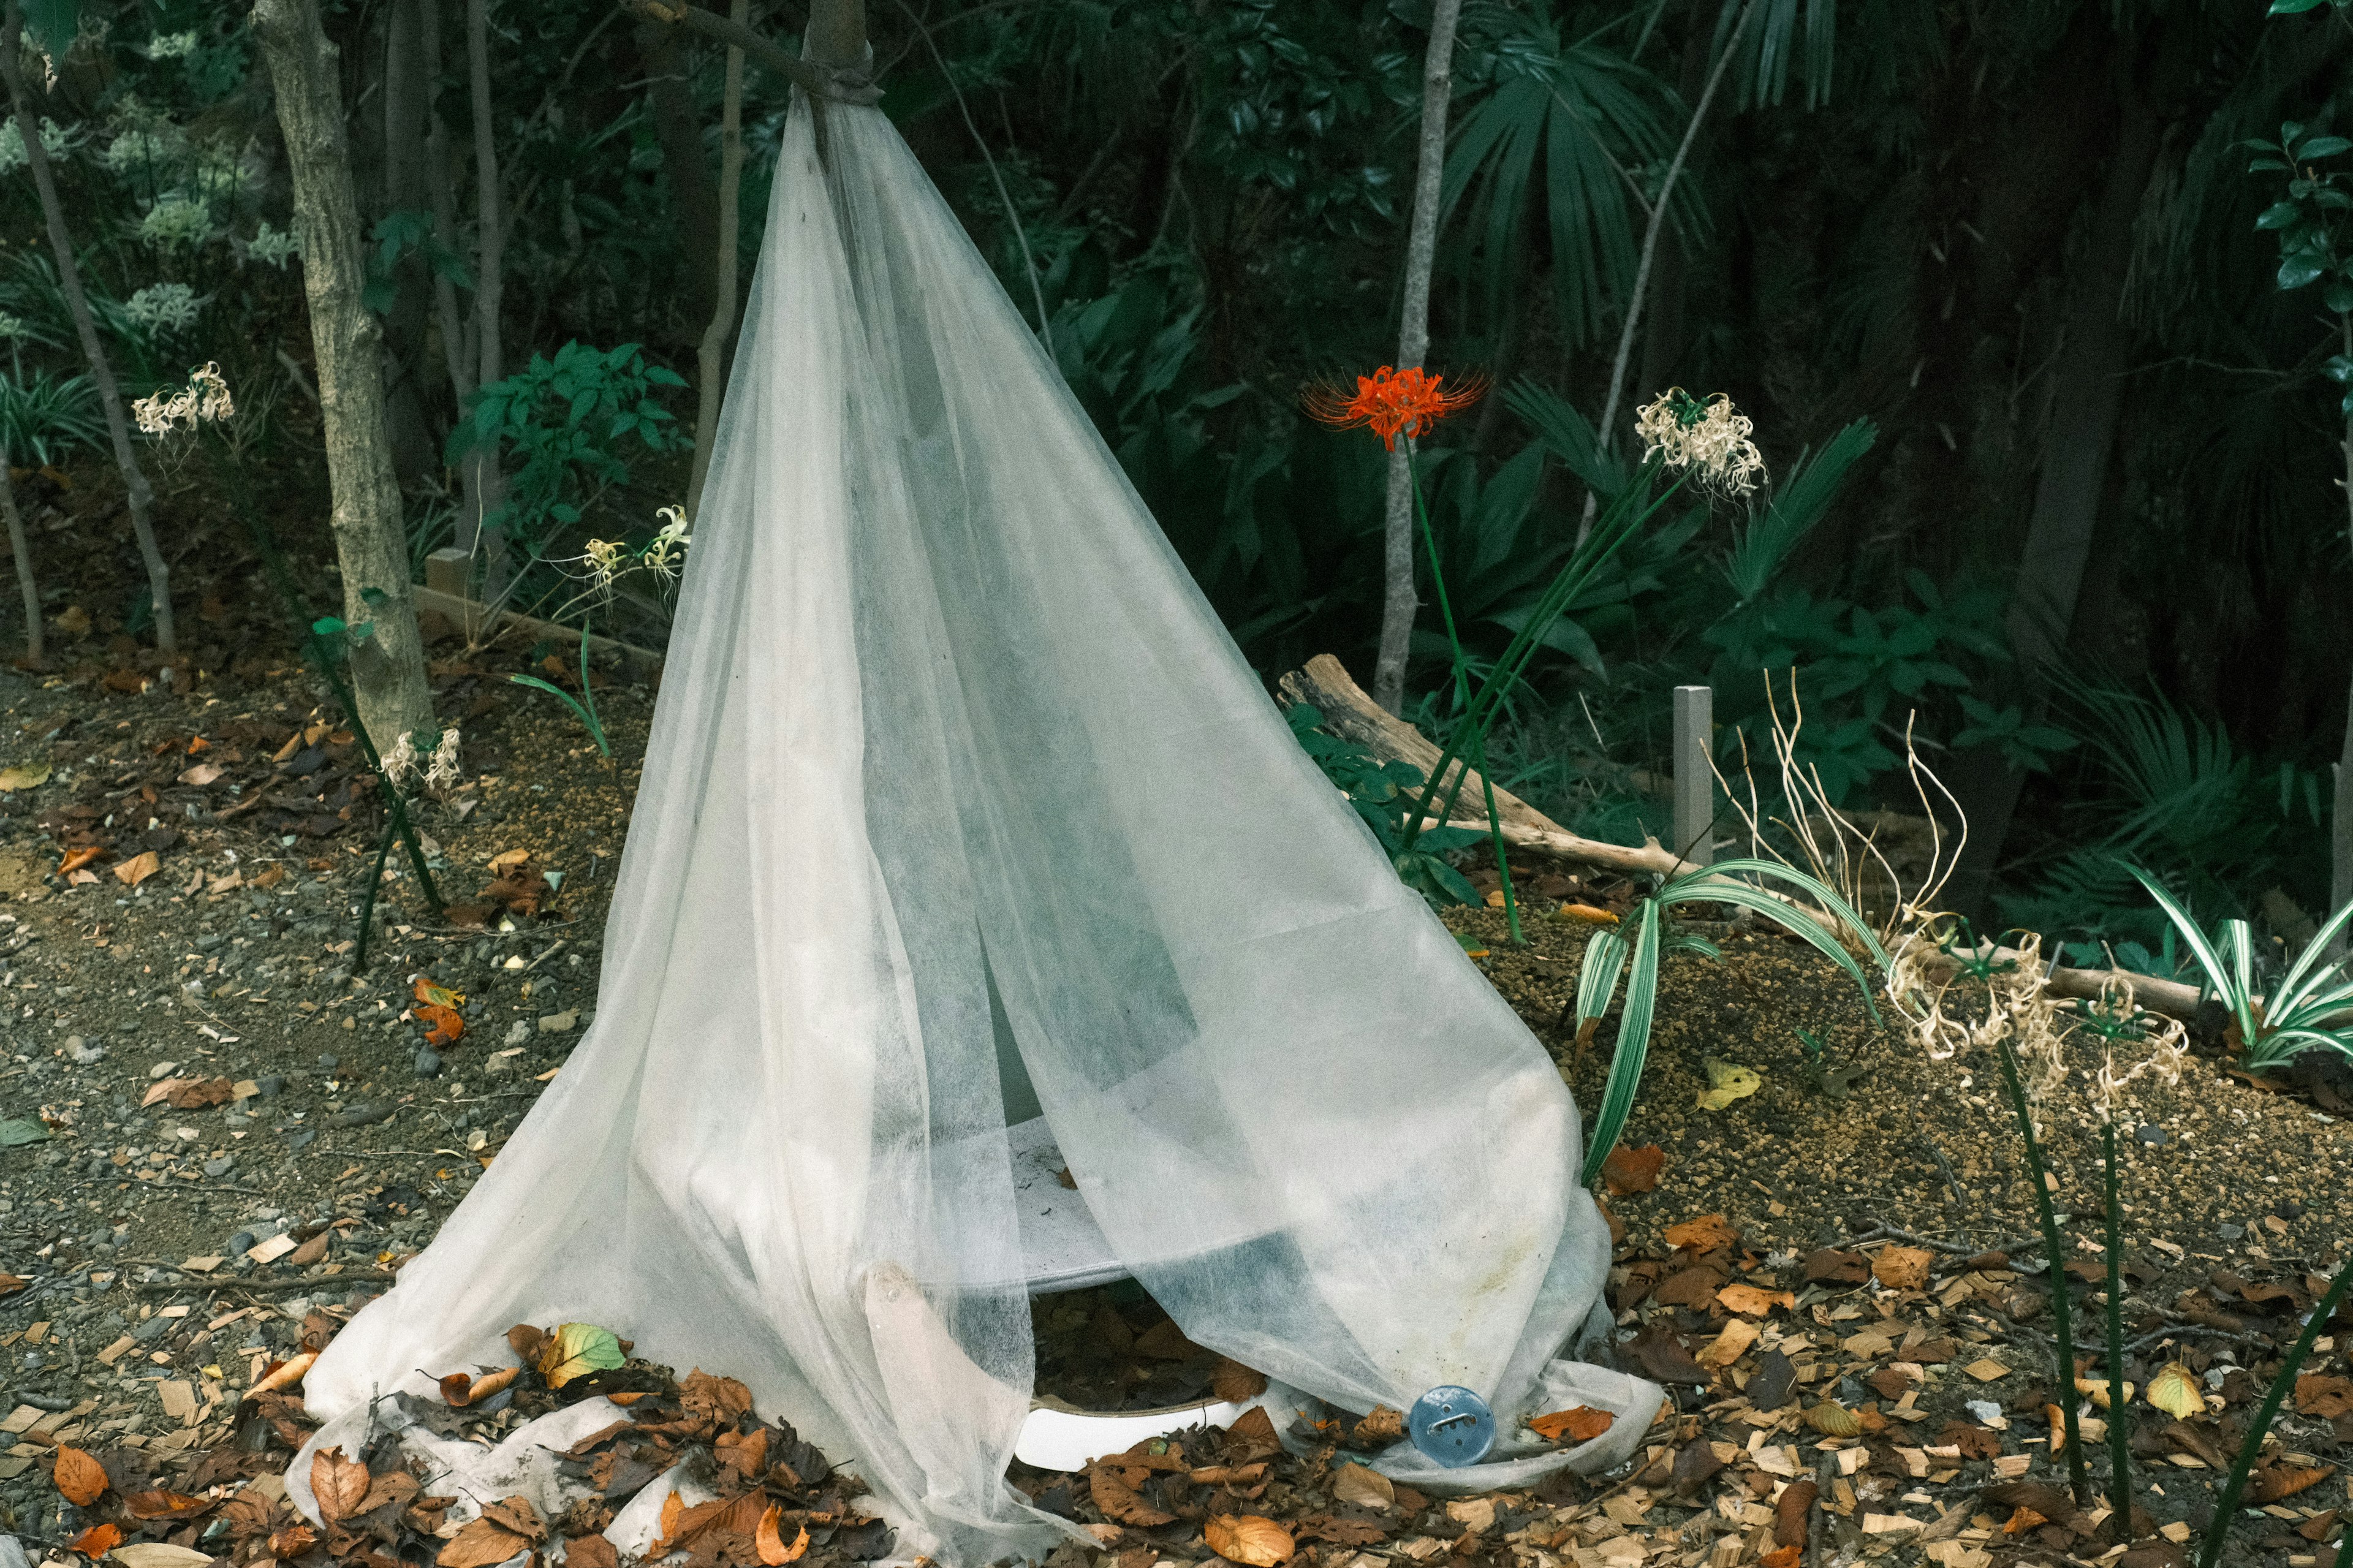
(206, 400)
(163, 307)
(400, 763)
(53, 142)
(605, 559)
(172, 46)
(443, 772)
(1711, 438)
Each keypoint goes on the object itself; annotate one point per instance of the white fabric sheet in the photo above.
(942, 704)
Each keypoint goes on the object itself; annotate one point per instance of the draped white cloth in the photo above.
(943, 706)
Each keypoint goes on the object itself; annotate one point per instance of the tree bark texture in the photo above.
(488, 480)
(405, 89)
(456, 327)
(136, 492)
(20, 550)
(388, 668)
(710, 368)
(2078, 443)
(1399, 601)
(678, 129)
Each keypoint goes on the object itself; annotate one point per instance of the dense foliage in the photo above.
(2055, 446)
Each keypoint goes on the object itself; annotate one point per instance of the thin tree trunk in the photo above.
(490, 363)
(2340, 815)
(405, 89)
(677, 130)
(456, 329)
(2078, 443)
(387, 667)
(1650, 231)
(135, 489)
(1399, 601)
(21, 549)
(710, 369)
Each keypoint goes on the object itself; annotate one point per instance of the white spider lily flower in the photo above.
(1711, 438)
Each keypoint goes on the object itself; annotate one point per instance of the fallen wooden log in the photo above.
(1325, 683)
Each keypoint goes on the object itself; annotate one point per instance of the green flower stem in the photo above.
(1625, 517)
(2078, 1480)
(367, 898)
(2228, 1503)
(2119, 1412)
(1461, 688)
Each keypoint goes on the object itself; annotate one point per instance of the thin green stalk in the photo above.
(2078, 1480)
(267, 543)
(2119, 1412)
(367, 898)
(1462, 691)
(1618, 525)
(2228, 1503)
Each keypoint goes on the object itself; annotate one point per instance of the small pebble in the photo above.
(2230, 1232)
(244, 1241)
(2156, 1137)
(428, 1063)
(81, 1053)
(300, 1137)
(330, 1063)
(220, 1167)
(268, 1086)
(2289, 1209)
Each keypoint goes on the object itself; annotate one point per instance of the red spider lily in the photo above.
(1390, 402)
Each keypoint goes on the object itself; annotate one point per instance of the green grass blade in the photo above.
(2208, 959)
(1633, 1043)
(2228, 1503)
(587, 721)
(1597, 977)
(2316, 954)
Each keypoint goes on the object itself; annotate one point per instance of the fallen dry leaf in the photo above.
(287, 1374)
(75, 859)
(339, 1482)
(516, 1515)
(1752, 1302)
(1793, 1512)
(1249, 1538)
(1235, 1383)
(1635, 1170)
(82, 1478)
(1901, 1268)
(1705, 1233)
(769, 1540)
(1736, 1336)
(2318, 1394)
(163, 1505)
(1833, 1420)
(96, 1540)
(2174, 1390)
(1363, 1486)
(443, 1025)
(1115, 1492)
(1727, 1082)
(2273, 1482)
(137, 869)
(482, 1545)
(1580, 1425)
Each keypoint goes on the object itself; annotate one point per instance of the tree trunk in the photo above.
(710, 368)
(388, 668)
(679, 129)
(488, 482)
(2077, 445)
(2340, 810)
(405, 89)
(136, 493)
(456, 329)
(21, 549)
(1399, 601)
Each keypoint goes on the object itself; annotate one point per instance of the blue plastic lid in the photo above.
(1452, 1426)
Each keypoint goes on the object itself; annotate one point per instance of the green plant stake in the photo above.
(2211, 1554)
(367, 898)
(2078, 1480)
(2119, 1414)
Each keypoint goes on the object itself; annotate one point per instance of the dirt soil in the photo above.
(1868, 1250)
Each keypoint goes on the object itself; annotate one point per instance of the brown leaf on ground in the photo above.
(1694, 1288)
(137, 869)
(1252, 1435)
(481, 1544)
(590, 1552)
(1793, 1510)
(96, 1540)
(393, 1489)
(1901, 1268)
(1635, 1170)
(1750, 1301)
(1705, 1233)
(2317, 1394)
(2273, 1482)
(1580, 1425)
(748, 1455)
(1232, 1382)
(339, 1482)
(1379, 1428)
(1833, 1420)
(516, 1515)
(1661, 1354)
(443, 1025)
(1694, 1466)
(1249, 1539)
(1730, 1344)
(2321, 1526)
(1829, 1266)
(1781, 1557)
(1115, 1492)
(1163, 1341)
(526, 1342)
(298, 1538)
(769, 1540)
(1363, 1486)
(714, 1401)
(1339, 1532)
(82, 1478)
(163, 1505)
